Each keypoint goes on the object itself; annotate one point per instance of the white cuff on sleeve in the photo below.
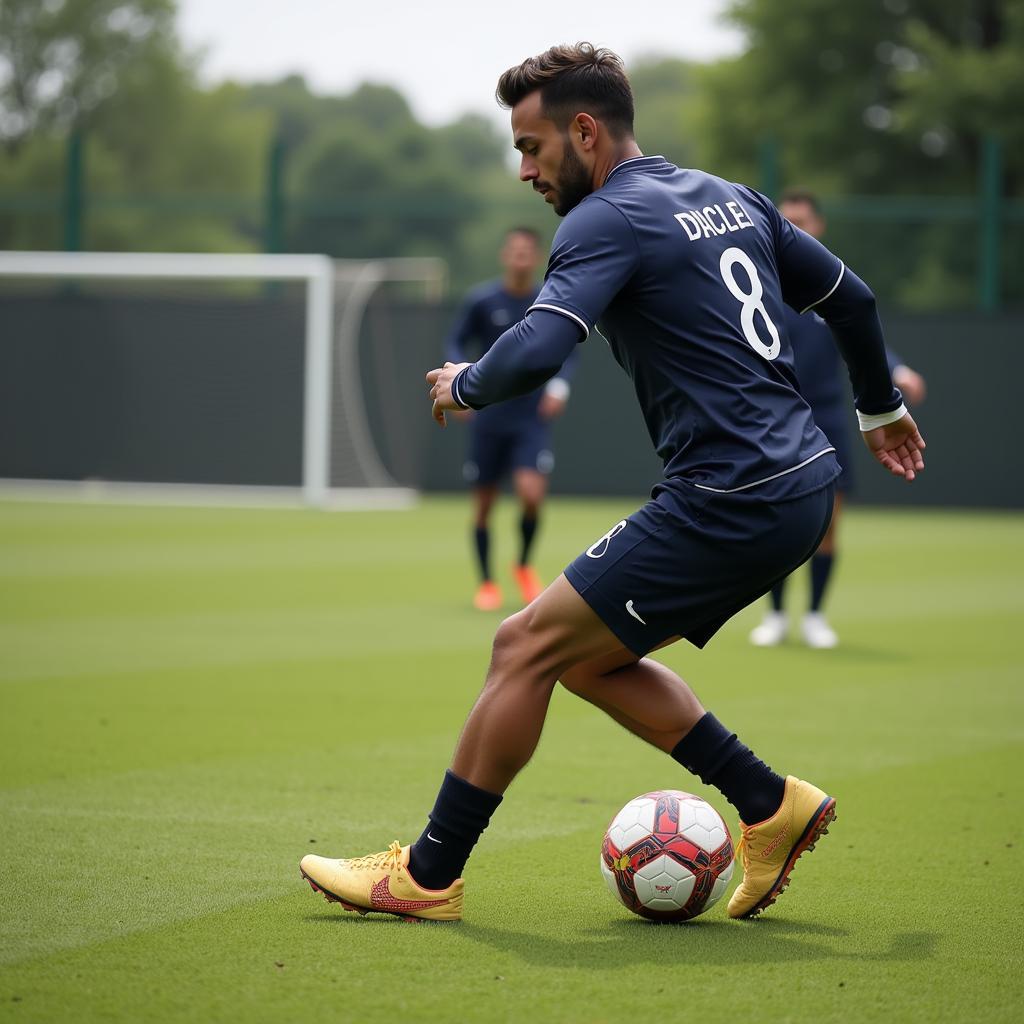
(456, 389)
(870, 422)
(558, 388)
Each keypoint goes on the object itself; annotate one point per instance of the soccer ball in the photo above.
(667, 856)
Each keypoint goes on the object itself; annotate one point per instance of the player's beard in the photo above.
(574, 183)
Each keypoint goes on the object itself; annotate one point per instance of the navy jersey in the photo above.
(487, 312)
(687, 276)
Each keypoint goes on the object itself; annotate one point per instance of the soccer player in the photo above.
(513, 435)
(817, 364)
(687, 276)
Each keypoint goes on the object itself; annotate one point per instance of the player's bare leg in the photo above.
(560, 636)
(488, 594)
(531, 488)
(484, 498)
(532, 649)
(641, 694)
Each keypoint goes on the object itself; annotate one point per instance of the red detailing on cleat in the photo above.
(381, 898)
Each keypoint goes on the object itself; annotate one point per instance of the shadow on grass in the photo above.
(635, 941)
(700, 942)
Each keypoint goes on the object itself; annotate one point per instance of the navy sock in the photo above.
(776, 595)
(821, 570)
(718, 758)
(527, 530)
(482, 538)
(461, 813)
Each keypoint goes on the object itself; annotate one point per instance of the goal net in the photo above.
(199, 377)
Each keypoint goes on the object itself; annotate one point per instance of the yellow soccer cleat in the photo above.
(381, 883)
(771, 848)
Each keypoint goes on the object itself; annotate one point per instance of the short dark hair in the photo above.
(521, 229)
(801, 195)
(573, 79)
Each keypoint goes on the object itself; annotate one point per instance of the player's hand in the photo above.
(551, 407)
(898, 447)
(440, 381)
(911, 383)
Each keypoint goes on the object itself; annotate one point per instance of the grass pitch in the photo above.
(190, 700)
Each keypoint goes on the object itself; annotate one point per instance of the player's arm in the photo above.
(593, 255)
(888, 429)
(463, 339)
(524, 357)
(813, 278)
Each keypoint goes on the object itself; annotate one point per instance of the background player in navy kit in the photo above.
(687, 275)
(819, 373)
(514, 436)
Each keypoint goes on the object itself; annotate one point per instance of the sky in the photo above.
(444, 55)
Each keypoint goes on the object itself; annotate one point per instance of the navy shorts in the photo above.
(495, 453)
(684, 565)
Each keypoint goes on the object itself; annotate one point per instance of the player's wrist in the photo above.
(871, 421)
(456, 389)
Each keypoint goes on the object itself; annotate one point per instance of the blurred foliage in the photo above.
(153, 132)
(874, 98)
(879, 97)
(61, 59)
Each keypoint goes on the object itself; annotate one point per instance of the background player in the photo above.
(687, 275)
(819, 373)
(512, 436)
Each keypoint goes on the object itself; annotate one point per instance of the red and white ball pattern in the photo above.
(667, 855)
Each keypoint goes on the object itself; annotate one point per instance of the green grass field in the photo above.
(193, 699)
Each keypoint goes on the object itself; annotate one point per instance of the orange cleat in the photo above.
(529, 582)
(487, 597)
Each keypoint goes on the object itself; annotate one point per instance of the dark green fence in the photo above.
(917, 252)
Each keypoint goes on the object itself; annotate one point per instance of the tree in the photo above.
(156, 136)
(882, 97)
(845, 91)
(958, 89)
(61, 59)
(369, 186)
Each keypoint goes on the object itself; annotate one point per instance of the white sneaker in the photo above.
(772, 630)
(817, 632)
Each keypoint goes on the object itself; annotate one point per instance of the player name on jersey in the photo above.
(713, 220)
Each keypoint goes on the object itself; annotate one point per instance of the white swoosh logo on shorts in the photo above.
(632, 611)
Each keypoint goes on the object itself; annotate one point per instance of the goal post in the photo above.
(339, 458)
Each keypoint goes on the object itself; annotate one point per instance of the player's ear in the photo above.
(585, 129)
